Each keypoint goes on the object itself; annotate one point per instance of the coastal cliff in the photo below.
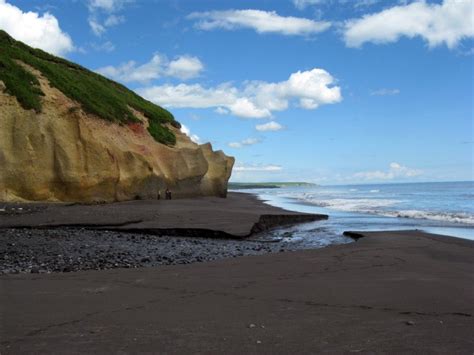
(58, 148)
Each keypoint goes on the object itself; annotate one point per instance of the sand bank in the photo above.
(237, 216)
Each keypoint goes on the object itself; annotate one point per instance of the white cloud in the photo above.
(270, 126)
(302, 4)
(258, 20)
(113, 20)
(447, 23)
(257, 99)
(365, 3)
(184, 67)
(102, 14)
(38, 31)
(245, 142)
(96, 27)
(130, 71)
(244, 107)
(385, 92)
(104, 47)
(395, 171)
(239, 167)
(195, 138)
(221, 111)
(107, 5)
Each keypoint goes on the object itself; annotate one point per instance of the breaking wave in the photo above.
(384, 207)
(436, 216)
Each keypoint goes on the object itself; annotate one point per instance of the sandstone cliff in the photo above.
(64, 153)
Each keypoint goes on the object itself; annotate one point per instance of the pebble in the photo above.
(70, 250)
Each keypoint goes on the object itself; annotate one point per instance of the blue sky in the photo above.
(340, 91)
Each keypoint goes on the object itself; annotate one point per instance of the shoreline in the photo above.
(46, 238)
(390, 221)
(388, 291)
(395, 292)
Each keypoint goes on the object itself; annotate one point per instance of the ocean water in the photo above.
(443, 208)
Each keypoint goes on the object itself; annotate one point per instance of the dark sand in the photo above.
(237, 216)
(388, 292)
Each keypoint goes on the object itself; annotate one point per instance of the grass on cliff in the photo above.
(96, 94)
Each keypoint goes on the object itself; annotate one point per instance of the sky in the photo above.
(324, 91)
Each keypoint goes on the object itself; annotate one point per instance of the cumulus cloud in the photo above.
(270, 126)
(245, 142)
(239, 167)
(395, 170)
(184, 67)
(385, 92)
(257, 99)
(195, 138)
(446, 23)
(258, 20)
(102, 14)
(38, 31)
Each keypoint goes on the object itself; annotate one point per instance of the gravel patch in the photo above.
(66, 250)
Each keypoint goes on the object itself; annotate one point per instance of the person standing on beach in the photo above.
(159, 195)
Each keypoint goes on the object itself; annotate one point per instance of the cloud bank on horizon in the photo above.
(395, 170)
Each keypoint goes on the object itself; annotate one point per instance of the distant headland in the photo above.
(267, 185)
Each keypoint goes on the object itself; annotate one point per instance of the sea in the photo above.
(445, 208)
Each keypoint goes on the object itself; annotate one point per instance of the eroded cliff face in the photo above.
(64, 154)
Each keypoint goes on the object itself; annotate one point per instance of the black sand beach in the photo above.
(392, 292)
(237, 216)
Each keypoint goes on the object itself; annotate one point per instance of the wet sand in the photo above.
(388, 292)
(237, 216)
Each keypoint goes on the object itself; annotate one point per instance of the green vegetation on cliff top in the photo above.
(96, 94)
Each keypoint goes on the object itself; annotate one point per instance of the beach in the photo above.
(404, 291)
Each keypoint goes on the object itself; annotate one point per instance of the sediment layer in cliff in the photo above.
(63, 152)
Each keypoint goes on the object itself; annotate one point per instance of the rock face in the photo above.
(65, 154)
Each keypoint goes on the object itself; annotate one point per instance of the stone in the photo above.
(61, 154)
